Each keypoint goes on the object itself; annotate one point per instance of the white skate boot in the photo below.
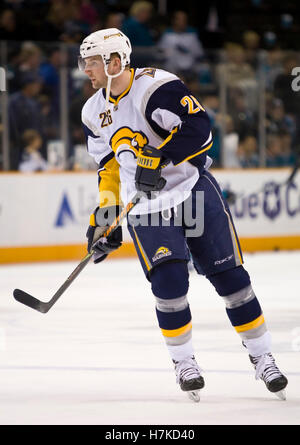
(188, 375)
(267, 371)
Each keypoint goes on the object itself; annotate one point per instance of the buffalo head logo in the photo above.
(126, 139)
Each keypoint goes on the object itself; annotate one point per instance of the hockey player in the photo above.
(147, 132)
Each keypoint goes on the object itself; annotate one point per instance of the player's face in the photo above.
(94, 69)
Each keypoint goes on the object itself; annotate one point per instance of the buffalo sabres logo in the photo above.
(161, 252)
(127, 140)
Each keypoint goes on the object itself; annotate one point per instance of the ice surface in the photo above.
(98, 356)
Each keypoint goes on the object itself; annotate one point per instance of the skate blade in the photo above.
(194, 396)
(281, 394)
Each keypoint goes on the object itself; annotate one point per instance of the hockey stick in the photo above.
(44, 307)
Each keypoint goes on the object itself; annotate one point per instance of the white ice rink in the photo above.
(98, 357)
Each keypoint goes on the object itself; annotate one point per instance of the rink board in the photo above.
(44, 216)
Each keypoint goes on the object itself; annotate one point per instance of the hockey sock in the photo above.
(243, 308)
(169, 285)
(260, 345)
(175, 325)
(245, 314)
(180, 352)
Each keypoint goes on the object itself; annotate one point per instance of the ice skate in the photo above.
(189, 377)
(267, 371)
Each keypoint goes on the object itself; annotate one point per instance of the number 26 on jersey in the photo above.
(193, 104)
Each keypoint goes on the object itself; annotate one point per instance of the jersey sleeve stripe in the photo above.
(196, 154)
(88, 132)
(168, 138)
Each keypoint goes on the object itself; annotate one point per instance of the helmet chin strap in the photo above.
(107, 94)
(109, 79)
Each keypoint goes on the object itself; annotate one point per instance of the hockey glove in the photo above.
(100, 220)
(148, 177)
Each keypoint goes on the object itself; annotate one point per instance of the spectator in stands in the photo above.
(32, 160)
(279, 151)
(75, 17)
(138, 29)
(230, 144)
(89, 14)
(274, 152)
(55, 19)
(49, 68)
(211, 104)
(240, 81)
(239, 71)
(8, 25)
(136, 26)
(251, 43)
(278, 120)
(288, 154)
(272, 66)
(244, 117)
(50, 120)
(28, 61)
(24, 113)
(49, 73)
(248, 151)
(114, 20)
(69, 20)
(30, 57)
(72, 35)
(77, 133)
(181, 46)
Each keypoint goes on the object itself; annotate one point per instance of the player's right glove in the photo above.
(100, 220)
(148, 177)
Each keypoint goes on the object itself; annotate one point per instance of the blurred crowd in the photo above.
(243, 81)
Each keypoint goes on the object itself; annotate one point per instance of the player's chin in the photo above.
(94, 83)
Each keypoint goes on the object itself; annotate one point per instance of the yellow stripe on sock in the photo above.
(177, 332)
(253, 324)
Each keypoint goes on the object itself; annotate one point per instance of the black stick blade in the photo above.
(30, 301)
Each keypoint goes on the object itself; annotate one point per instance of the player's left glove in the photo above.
(148, 177)
(100, 220)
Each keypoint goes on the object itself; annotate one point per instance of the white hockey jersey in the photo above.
(158, 110)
